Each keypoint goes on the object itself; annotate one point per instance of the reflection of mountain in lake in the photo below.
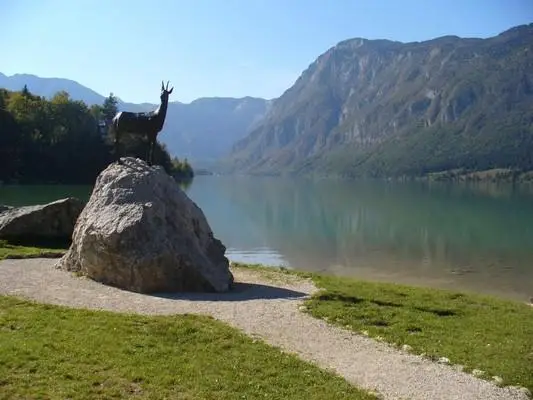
(452, 234)
(239, 233)
(446, 235)
(225, 217)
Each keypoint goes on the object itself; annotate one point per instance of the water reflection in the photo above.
(470, 237)
(24, 195)
(473, 237)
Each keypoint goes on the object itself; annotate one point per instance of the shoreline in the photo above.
(373, 280)
(332, 322)
(371, 275)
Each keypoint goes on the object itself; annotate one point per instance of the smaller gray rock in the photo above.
(54, 220)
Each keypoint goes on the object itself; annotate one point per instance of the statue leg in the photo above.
(117, 148)
(148, 147)
(151, 153)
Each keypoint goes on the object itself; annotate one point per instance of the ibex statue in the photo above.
(147, 124)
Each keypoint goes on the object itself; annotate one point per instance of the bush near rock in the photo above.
(139, 231)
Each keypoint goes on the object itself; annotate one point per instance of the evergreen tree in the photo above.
(110, 108)
(25, 91)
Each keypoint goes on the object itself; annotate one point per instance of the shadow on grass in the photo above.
(382, 303)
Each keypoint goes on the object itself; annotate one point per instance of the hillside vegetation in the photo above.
(202, 130)
(59, 140)
(378, 108)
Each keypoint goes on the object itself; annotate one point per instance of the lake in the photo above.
(467, 237)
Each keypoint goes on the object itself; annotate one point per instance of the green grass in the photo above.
(479, 332)
(9, 250)
(52, 352)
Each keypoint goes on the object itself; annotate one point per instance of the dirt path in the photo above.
(269, 310)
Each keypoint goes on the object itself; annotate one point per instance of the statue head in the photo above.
(165, 92)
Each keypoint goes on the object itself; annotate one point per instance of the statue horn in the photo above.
(162, 85)
(167, 84)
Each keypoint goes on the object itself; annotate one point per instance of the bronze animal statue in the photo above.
(146, 124)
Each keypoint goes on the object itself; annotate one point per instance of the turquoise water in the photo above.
(477, 238)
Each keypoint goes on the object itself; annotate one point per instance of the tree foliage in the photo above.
(110, 107)
(62, 140)
(182, 170)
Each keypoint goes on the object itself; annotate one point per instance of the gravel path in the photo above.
(269, 310)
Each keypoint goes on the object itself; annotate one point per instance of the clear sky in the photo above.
(219, 47)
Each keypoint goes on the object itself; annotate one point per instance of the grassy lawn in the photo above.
(8, 250)
(102, 354)
(478, 332)
(60, 353)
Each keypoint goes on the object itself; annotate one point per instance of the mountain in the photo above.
(48, 87)
(205, 129)
(384, 108)
(202, 130)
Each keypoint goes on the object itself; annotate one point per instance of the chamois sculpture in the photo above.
(145, 124)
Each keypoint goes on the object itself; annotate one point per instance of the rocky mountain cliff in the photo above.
(384, 108)
(202, 130)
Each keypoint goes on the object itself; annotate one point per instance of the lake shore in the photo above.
(451, 327)
(468, 237)
(437, 327)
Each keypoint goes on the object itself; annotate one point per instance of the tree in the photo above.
(110, 107)
(58, 140)
(25, 91)
(182, 170)
(4, 94)
(9, 146)
(97, 111)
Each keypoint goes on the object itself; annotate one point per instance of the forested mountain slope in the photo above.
(384, 108)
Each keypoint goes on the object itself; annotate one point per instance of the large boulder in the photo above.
(141, 232)
(54, 221)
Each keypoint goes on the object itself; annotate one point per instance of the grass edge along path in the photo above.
(8, 250)
(484, 335)
(56, 352)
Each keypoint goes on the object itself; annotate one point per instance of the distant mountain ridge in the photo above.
(365, 108)
(202, 130)
(384, 108)
(47, 87)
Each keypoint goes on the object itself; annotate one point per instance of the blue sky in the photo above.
(219, 47)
